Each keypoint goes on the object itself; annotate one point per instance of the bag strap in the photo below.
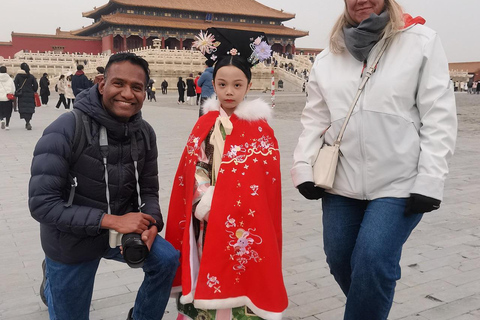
(23, 84)
(366, 77)
(81, 137)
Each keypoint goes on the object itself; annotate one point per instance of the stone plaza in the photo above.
(440, 263)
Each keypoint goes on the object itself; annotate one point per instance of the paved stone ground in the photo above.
(441, 260)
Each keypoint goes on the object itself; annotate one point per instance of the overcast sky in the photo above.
(457, 22)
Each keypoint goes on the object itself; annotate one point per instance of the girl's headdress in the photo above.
(218, 43)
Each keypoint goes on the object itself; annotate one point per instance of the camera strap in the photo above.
(103, 142)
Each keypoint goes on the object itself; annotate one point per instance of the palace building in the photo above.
(122, 25)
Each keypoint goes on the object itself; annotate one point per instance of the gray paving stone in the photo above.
(440, 260)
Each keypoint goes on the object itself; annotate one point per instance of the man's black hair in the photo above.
(133, 59)
(80, 67)
(209, 63)
(235, 61)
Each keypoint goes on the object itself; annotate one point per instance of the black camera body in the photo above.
(135, 251)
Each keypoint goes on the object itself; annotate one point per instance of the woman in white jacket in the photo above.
(394, 151)
(61, 86)
(6, 87)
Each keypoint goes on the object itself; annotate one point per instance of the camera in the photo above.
(135, 251)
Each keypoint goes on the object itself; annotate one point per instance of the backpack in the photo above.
(82, 137)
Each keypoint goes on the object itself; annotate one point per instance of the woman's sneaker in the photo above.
(3, 124)
(28, 126)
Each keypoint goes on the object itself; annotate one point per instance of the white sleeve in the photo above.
(436, 104)
(315, 120)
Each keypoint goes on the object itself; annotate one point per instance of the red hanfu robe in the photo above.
(242, 252)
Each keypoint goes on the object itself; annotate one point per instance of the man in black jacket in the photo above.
(75, 234)
(80, 81)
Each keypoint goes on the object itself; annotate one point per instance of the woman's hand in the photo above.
(309, 191)
(418, 203)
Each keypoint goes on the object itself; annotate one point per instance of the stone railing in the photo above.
(168, 64)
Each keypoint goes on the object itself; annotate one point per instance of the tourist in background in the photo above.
(61, 86)
(27, 83)
(191, 89)
(395, 151)
(80, 81)
(152, 91)
(149, 88)
(205, 83)
(7, 89)
(181, 90)
(44, 89)
(198, 90)
(164, 86)
(99, 77)
(69, 92)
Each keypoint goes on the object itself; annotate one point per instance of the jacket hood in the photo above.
(89, 101)
(4, 77)
(410, 21)
(249, 110)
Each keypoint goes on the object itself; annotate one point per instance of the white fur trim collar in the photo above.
(249, 110)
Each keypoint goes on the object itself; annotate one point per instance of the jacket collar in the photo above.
(249, 110)
(90, 102)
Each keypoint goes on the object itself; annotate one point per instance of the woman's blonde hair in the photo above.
(337, 44)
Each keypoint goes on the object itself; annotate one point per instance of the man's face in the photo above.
(123, 90)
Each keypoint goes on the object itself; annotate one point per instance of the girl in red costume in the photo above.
(225, 208)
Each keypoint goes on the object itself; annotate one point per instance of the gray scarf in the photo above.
(360, 39)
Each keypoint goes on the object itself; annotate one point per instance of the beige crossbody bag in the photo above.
(325, 165)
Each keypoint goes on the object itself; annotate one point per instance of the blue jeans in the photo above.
(363, 242)
(69, 287)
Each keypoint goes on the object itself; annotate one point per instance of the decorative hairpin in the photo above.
(261, 51)
(205, 42)
(233, 52)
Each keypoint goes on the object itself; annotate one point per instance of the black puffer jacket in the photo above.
(26, 102)
(73, 235)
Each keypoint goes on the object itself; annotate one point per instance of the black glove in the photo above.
(309, 191)
(418, 203)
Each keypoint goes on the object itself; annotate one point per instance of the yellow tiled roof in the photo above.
(164, 22)
(238, 7)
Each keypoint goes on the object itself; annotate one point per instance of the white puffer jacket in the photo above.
(6, 86)
(403, 128)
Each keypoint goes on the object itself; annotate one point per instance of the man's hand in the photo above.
(418, 203)
(132, 222)
(148, 236)
(309, 191)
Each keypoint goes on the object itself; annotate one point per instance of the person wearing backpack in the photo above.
(93, 181)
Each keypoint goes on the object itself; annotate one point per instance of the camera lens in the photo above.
(135, 251)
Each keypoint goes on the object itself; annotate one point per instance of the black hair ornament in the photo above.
(218, 43)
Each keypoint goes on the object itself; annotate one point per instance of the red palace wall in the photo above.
(40, 44)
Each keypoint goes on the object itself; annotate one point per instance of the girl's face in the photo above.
(231, 86)
(360, 10)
